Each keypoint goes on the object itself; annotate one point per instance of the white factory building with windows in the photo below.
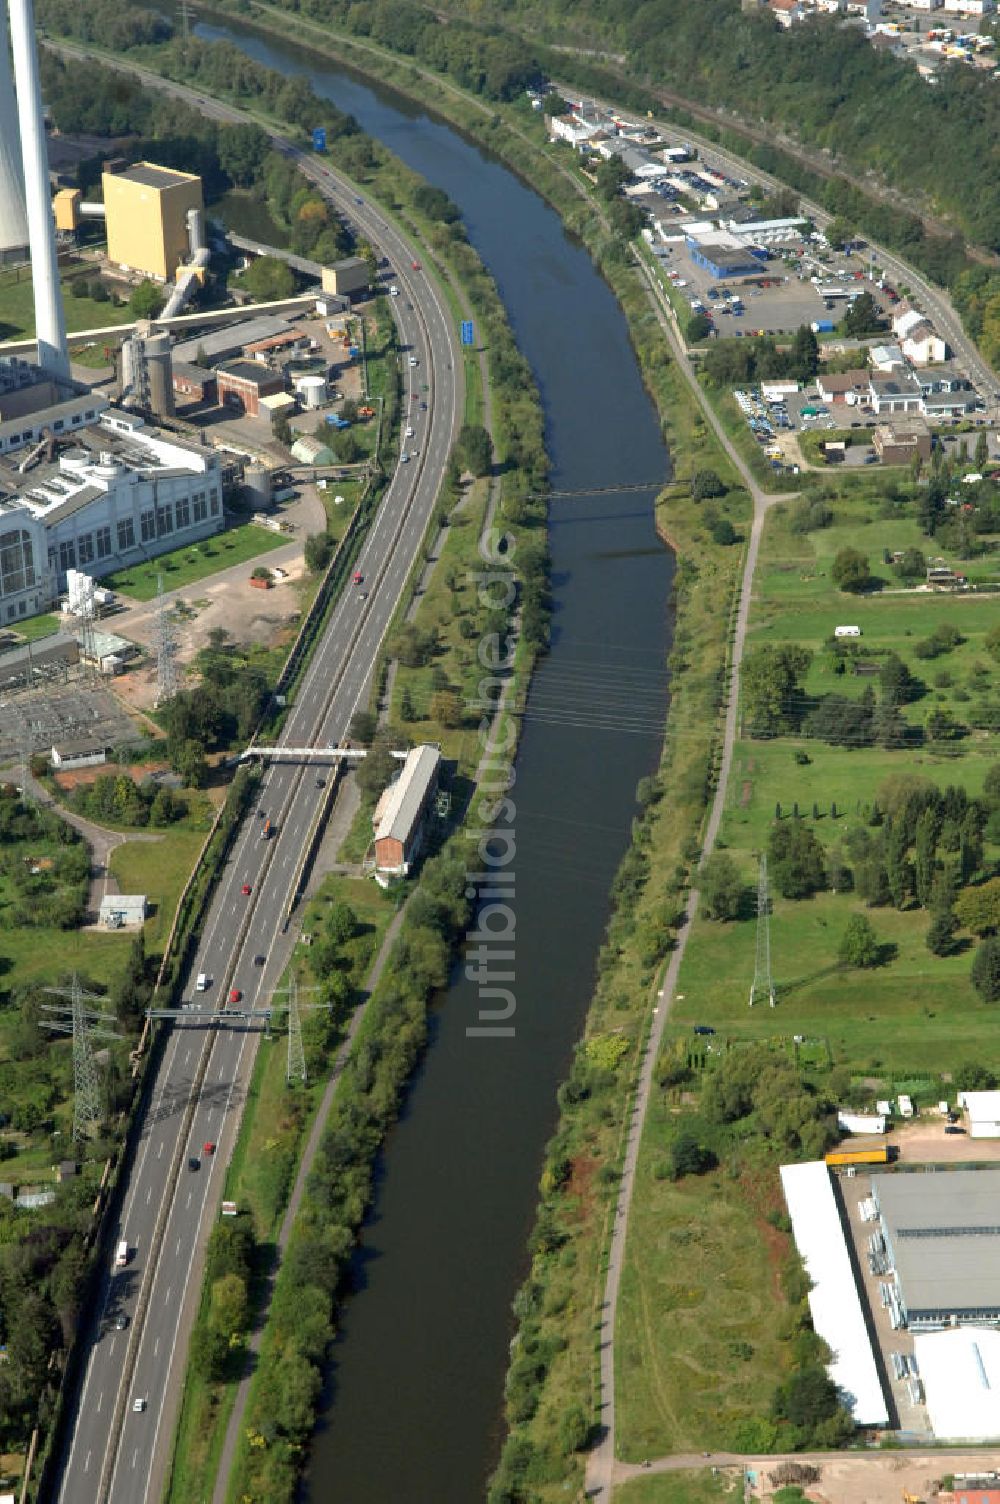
(120, 493)
(82, 486)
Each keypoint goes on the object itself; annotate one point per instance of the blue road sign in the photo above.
(319, 138)
(468, 333)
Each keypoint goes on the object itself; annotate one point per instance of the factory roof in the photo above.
(960, 1370)
(150, 176)
(833, 1297)
(407, 795)
(232, 337)
(53, 489)
(944, 1228)
(249, 370)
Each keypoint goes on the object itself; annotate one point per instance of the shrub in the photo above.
(986, 971)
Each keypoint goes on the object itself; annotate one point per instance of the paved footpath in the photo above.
(601, 1464)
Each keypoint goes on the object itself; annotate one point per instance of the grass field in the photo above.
(159, 869)
(17, 308)
(37, 627)
(912, 1017)
(195, 561)
(681, 1488)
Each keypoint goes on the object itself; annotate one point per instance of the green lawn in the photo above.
(17, 309)
(37, 627)
(195, 561)
(159, 869)
(699, 1487)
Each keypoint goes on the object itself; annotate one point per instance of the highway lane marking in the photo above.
(187, 1057)
(170, 1291)
(156, 1347)
(159, 1152)
(177, 1249)
(188, 1201)
(86, 1465)
(95, 1356)
(135, 1456)
(149, 1195)
(100, 1401)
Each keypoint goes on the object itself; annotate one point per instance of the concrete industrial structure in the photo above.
(347, 277)
(146, 213)
(942, 1241)
(401, 816)
(50, 322)
(121, 494)
(13, 216)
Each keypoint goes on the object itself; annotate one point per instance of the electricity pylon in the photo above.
(85, 1025)
(763, 982)
(166, 648)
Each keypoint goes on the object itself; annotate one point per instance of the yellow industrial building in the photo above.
(146, 211)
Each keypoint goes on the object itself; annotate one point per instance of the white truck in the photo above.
(121, 1254)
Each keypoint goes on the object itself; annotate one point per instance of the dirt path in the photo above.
(101, 842)
(601, 1464)
(869, 1477)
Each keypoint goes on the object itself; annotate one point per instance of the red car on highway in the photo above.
(235, 995)
(245, 890)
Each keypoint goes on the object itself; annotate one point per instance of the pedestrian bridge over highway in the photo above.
(308, 754)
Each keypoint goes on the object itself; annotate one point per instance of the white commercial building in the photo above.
(960, 1372)
(121, 494)
(834, 1302)
(983, 1108)
(767, 231)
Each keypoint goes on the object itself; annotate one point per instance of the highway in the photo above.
(114, 1452)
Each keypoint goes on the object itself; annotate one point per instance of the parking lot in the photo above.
(782, 297)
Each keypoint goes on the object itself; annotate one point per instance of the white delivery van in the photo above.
(121, 1255)
(201, 984)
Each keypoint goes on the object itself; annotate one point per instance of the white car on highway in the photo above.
(413, 360)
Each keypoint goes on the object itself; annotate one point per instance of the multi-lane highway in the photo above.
(115, 1451)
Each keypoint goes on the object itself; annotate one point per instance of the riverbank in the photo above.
(545, 1396)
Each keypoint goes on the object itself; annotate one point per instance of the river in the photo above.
(415, 1392)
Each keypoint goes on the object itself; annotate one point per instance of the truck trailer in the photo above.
(882, 1155)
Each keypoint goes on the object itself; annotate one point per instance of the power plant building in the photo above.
(942, 1241)
(146, 213)
(121, 494)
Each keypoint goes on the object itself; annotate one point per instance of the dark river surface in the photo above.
(415, 1391)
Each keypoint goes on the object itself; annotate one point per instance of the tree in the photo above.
(839, 232)
(859, 945)
(722, 887)
(912, 566)
(705, 485)
(941, 933)
(724, 533)
(986, 970)
(771, 692)
(188, 759)
(446, 708)
(341, 923)
(978, 909)
(574, 1430)
(269, 279)
(804, 355)
(862, 317)
(982, 454)
(146, 301)
(697, 328)
(796, 859)
(850, 570)
(688, 1156)
(807, 1397)
(318, 552)
(974, 1076)
(475, 449)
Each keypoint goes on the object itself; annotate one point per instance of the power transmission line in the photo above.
(85, 1025)
(762, 979)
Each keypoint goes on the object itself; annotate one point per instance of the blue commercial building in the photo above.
(722, 261)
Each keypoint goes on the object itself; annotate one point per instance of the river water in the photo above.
(415, 1393)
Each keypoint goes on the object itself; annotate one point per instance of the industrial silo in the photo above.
(257, 485)
(312, 390)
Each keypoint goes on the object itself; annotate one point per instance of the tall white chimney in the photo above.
(50, 323)
(13, 222)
